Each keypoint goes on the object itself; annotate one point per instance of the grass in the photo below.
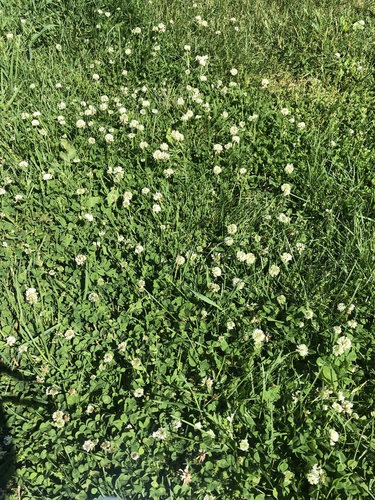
(187, 316)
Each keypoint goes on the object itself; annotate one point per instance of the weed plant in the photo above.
(187, 209)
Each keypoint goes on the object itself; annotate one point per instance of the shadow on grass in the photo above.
(7, 450)
(7, 462)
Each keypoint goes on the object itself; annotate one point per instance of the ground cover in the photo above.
(187, 249)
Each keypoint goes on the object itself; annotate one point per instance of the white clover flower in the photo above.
(350, 309)
(284, 219)
(108, 357)
(160, 434)
(213, 287)
(23, 164)
(340, 396)
(218, 148)
(228, 241)
(241, 256)
(337, 407)
(88, 445)
(11, 340)
(274, 270)
(89, 217)
(281, 299)
(308, 314)
(80, 124)
(217, 170)
(302, 350)
(285, 111)
(250, 259)
(344, 343)
(265, 82)
(180, 260)
(145, 191)
(157, 196)
(233, 71)
(138, 393)
(47, 177)
(334, 436)
(301, 125)
(289, 168)
(316, 475)
(231, 325)
(35, 123)
(347, 407)
(139, 249)
(300, 247)
(258, 336)
(109, 139)
(202, 60)
(141, 284)
(286, 257)
(80, 191)
(338, 350)
(58, 415)
(10, 36)
(244, 445)
(52, 391)
(286, 189)
(156, 208)
(216, 272)
(161, 155)
(177, 136)
(242, 171)
(31, 296)
(69, 334)
(59, 423)
(232, 229)
(238, 283)
(352, 324)
(93, 297)
(168, 173)
(122, 346)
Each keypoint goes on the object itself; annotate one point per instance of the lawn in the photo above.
(187, 242)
